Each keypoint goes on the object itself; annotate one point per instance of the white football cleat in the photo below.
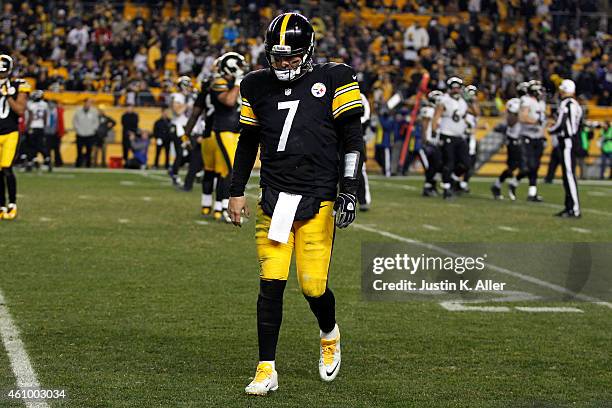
(329, 360)
(266, 379)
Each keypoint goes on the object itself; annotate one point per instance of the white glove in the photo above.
(238, 78)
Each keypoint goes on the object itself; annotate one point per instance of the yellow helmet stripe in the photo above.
(284, 27)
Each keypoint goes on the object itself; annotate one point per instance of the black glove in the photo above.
(344, 209)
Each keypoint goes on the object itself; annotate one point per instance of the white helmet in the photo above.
(568, 86)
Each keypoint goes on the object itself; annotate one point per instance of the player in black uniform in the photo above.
(13, 101)
(306, 119)
(225, 97)
(203, 106)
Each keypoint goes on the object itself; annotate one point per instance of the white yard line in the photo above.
(200, 222)
(506, 228)
(581, 230)
(548, 309)
(20, 362)
(123, 220)
(431, 227)
(499, 269)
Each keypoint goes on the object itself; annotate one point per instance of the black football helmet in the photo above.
(184, 84)
(434, 96)
(521, 89)
(289, 35)
(37, 95)
(6, 64)
(535, 88)
(470, 92)
(232, 64)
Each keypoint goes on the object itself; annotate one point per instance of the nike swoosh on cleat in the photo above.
(332, 371)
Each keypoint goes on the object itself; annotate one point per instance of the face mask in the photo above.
(287, 74)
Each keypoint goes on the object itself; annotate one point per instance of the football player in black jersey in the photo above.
(306, 119)
(203, 106)
(13, 101)
(225, 98)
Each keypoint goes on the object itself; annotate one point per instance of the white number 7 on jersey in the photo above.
(292, 106)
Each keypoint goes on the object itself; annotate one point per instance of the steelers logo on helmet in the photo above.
(6, 64)
(232, 64)
(290, 35)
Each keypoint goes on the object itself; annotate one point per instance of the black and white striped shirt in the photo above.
(569, 117)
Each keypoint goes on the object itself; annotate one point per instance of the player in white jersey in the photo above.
(532, 117)
(364, 198)
(37, 114)
(567, 129)
(513, 145)
(471, 123)
(181, 103)
(430, 153)
(449, 120)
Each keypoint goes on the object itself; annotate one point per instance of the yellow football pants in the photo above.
(312, 239)
(8, 148)
(209, 146)
(222, 146)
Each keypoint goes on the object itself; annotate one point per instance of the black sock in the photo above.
(269, 317)
(2, 190)
(324, 309)
(208, 182)
(11, 183)
(220, 187)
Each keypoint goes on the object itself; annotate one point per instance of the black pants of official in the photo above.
(567, 157)
(532, 156)
(555, 161)
(363, 190)
(455, 157)
(514, 160)
(431, 158)
(36, 142)
(125, 146)
(180, 157)
(382, 155)
(165, 147)
(54, 144)
(84, 147)
(196, 164)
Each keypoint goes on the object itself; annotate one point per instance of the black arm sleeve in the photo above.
(246, 153)
(351, 135)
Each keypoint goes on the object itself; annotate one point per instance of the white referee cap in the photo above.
(568, 86)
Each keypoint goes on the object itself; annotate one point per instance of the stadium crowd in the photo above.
(97, 46)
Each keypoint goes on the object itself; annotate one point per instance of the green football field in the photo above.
(124, 296)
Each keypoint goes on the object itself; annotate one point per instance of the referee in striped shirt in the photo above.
(566, 129)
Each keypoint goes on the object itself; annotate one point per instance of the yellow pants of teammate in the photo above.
(313, 241)
(8, 148)
(218, 152)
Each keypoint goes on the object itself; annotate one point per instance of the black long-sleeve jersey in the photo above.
(301, 127)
